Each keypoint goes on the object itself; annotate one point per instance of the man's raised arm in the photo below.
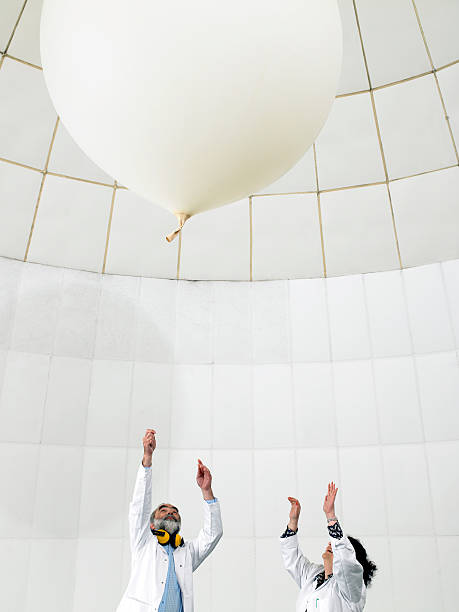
(212, 529)
(140, 506)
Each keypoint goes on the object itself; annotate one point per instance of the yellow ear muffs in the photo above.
(164, 538)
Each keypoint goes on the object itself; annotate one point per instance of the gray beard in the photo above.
(172, 527)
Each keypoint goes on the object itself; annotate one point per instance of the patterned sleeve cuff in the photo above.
(289, 532)
(335, 531)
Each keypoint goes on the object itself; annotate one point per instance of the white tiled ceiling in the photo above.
(376, 136)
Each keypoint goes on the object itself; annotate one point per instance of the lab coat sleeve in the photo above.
(208, 537)
(140, 509)
(347, 571)
(297, 565)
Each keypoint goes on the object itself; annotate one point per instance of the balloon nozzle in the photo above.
(182, 217)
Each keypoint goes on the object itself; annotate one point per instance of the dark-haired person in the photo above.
(162, 563)
(340, 583)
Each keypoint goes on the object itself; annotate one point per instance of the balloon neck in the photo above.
(182, 218)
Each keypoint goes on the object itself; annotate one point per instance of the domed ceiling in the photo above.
(377, 191)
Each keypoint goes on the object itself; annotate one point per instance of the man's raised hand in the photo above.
(149, 445)
(295, 509)
(204, 480)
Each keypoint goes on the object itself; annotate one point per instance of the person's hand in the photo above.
(295, 509)
(329, 501)
(149, 445)
(328, 560)
(204, 480)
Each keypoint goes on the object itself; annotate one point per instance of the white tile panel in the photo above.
(347, 147)
(51, 575)
(18, 195)
(387, 314)
(14, 558)
(66, 401)
(269, 570)
(439, 394)
(353, 74)
(108, 407)
(232, 411)
(69, 210)
(26, 40)
(194, 322)
(151, 402)
(230, 568)
(381, 596)
(138, 243)
(427, 217)
(27, 116)
(416, 583)
(77, 317)
(398, 401)
(57, 505)
(191, 425)
(348, 319)
(357, 226)
(18, 474)
(448, 547)
(451, 276)
(286, 237)
(414, 132)
(357, 466)
(216, 245)
(428, 310)
(316, 468)
(67, 158)
(23, 397)
(232, 332)
(98, 570)
(155, 332)
(404, 465)
(301, 177)
(272, 393)
(439, 20)
(310, 336)
(115, 336)
(394, 21)
(314, 407)
(274, 472)
(356, 415)
(102, 493)
(37, 309)
(270, 322)
(449, 86)
(234, 482)
(10, 278)
(443, 459)
(9, 12)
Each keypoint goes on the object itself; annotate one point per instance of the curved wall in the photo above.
(280, 386)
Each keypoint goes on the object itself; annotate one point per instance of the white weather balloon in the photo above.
(192, 103)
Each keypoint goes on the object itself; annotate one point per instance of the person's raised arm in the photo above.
(296, 564)
(212, 529)
(140, 506)
(347, 571)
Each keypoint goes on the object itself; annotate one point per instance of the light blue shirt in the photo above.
(171, 600)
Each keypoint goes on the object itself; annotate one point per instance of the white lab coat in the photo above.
(344, 592)
(149, 562)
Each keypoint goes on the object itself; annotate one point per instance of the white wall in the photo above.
(280, 386)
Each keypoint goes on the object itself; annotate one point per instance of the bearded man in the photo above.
(162, 562)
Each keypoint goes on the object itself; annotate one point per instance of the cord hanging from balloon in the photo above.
(182, 218)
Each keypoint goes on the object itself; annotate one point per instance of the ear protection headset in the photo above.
(164, 537)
